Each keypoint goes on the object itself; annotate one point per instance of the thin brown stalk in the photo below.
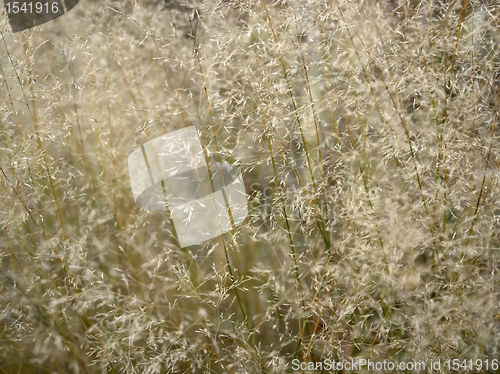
(39, 141)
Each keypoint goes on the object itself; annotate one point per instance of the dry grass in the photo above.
(367, 133)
